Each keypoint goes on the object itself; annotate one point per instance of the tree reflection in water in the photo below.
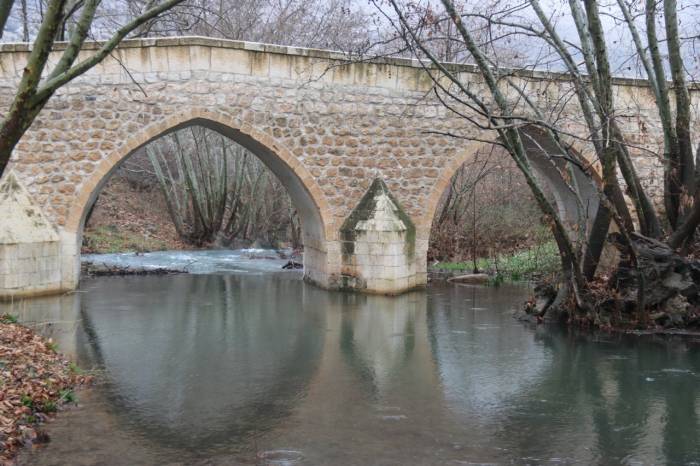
(550, 393)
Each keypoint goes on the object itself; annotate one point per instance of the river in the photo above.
(241, 363)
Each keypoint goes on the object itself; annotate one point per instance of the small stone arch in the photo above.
(314, 211)
(543, 168)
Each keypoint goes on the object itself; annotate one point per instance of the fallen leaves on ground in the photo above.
(35, 381)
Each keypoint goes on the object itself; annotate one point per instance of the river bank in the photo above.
(610, 308)
(126, 218)
(529, 264)
(36, 382)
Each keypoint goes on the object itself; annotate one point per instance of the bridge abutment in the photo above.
(35, 258)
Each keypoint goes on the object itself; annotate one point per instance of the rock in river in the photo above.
(471, 278)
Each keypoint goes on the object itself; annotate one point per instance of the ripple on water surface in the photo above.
(261, 368)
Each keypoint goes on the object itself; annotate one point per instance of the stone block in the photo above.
(200, 58)
(7, 65)
(159, 59)
(401, 284)
(280, 66)
(362, 247)
(178, 58)
(20, 61)
(376, 248)
(260, 64)
(343, 75)
(407, 78)
(386, 76)
(231, 61)
(137, 59)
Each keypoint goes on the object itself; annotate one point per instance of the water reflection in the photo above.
(615, 398)
(378, 337)
(219, 369)
(200, 361)
(478, 349)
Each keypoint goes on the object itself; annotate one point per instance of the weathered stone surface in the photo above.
(22, 221)
(326, 128)
(30, 259)
(378, 244)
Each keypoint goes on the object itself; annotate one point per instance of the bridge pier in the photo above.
(377, 251)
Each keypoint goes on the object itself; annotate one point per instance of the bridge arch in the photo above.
(313, 209)
(446, 173)
(575, 210)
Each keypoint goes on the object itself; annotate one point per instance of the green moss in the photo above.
(364, 210)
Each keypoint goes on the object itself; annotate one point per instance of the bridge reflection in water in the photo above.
(218, 368)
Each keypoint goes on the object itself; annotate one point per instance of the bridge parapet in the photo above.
(165, 59)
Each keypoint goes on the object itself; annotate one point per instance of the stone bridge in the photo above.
(360, 146)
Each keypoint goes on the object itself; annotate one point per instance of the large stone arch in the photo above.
(313, 209)
(308, 198)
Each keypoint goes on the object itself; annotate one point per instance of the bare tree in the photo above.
(33, 91)
(217, 192)
(586, 80)
(486, 210)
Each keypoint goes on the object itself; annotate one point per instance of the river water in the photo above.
(253, 366)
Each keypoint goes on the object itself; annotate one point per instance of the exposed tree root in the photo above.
(657, 289)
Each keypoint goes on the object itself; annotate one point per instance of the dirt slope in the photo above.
(128, 217)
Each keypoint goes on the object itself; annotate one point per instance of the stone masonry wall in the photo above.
(326, 127)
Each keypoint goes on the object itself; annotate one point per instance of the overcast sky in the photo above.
(619, 40)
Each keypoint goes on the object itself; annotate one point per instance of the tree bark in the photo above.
(683, 111)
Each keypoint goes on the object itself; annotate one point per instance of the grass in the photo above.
(67, 396)
(8, 319)
(27, 401)
(50, 407)
(107, 240)
(74, 368)
(522, 265)
(52, 346)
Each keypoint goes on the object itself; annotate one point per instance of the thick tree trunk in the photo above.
(686, 162)
(5, 9)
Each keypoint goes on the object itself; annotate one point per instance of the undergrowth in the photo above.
(528, 264)
(106, 240)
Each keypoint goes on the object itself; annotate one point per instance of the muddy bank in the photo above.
(96, 269)
(36, 383)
